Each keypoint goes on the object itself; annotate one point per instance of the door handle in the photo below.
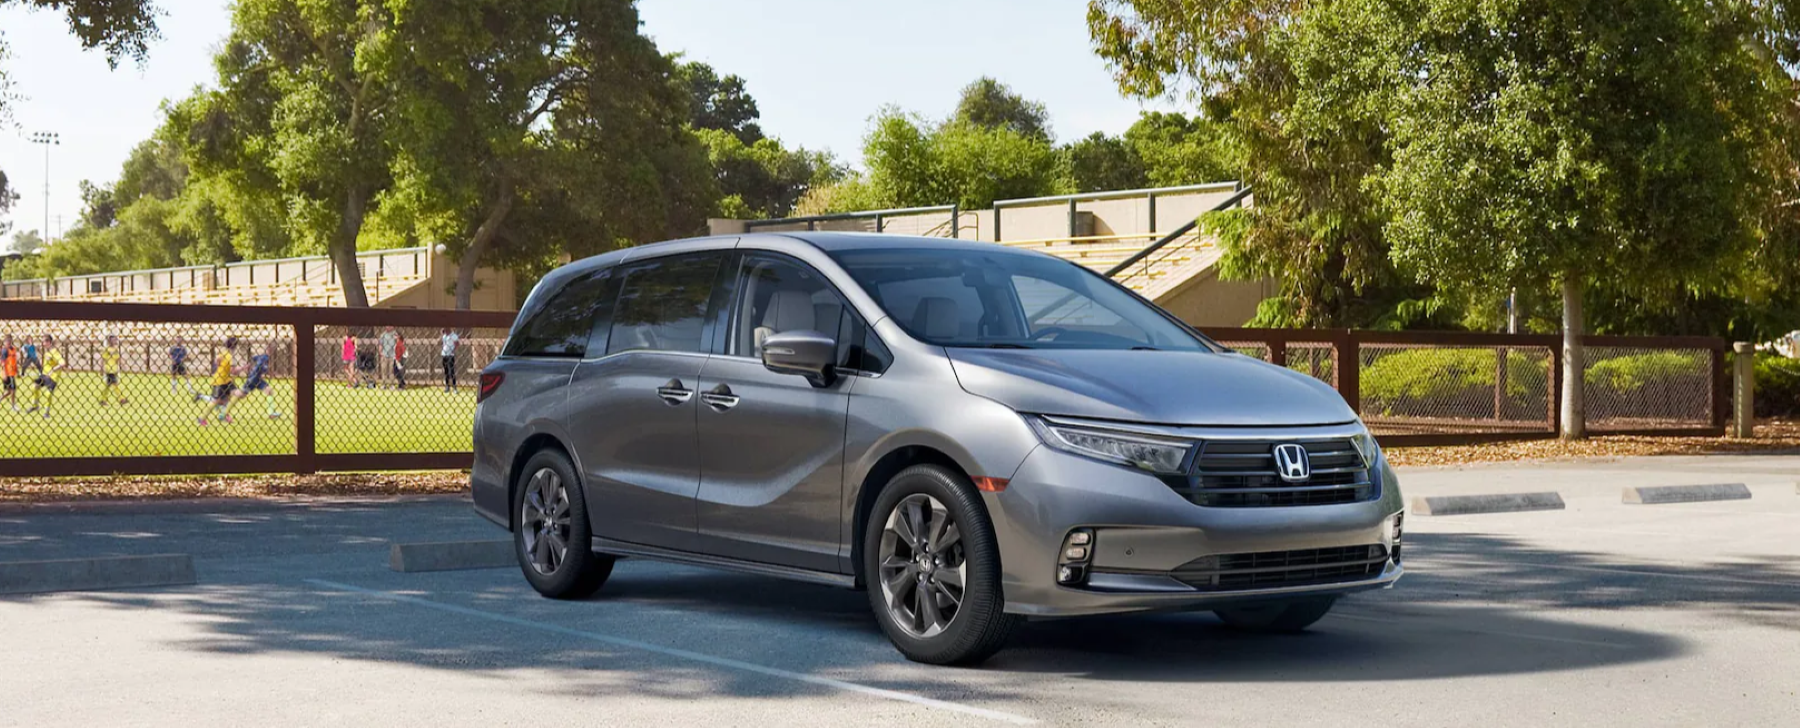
(719, 398)
(674, 392)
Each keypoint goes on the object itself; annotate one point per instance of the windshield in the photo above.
(1006, 300)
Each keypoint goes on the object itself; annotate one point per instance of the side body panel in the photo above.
(532, 397)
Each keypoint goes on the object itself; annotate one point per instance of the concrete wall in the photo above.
(495, 290)
(1208, 301)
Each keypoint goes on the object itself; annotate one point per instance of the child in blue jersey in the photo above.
(257, 380)
(178, 371)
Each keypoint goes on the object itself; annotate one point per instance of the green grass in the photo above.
(157, 422)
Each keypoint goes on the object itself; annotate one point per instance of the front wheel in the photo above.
(933, 569)
(1279, 617)
(551, 535)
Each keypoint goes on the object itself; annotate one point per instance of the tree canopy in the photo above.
(989, 104)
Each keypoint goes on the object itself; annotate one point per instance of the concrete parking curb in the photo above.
(1461, 505)
(451, 555)
(115, 572)
(1653, 495)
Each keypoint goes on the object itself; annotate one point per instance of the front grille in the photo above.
(1269, 569)
(1241, 474)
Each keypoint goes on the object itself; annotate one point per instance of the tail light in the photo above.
(490, 383)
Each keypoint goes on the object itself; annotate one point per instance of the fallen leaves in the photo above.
(1772, 436)
(150, 487)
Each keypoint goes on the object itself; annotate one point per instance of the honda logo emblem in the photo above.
(1291, 463)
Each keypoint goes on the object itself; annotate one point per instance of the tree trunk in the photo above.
(484, 235)
(1574, 409)
(342, 248)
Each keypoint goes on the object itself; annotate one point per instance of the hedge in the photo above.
(1452, 382)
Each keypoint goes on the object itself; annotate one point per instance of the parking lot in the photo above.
(1602, 614)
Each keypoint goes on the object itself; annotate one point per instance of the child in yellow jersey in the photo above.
(52, 362)
(222, 384)
(109, 364)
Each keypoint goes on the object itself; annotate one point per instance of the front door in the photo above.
(772, 445)
(631, 407)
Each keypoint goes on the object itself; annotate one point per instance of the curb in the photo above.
(1462, 505)
(222, 505)
(451, 556)
(1654, 495)
(116, 572)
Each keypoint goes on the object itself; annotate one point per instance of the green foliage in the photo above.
(1777, 386)
(24, 242)
(1627, 374)
(719, 102)
(913, 163)
(1450, 381)
(1181, 150)
(763, 179)
(989, 104)
(1099, 162)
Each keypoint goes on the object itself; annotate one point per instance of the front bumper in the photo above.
(1145, 532)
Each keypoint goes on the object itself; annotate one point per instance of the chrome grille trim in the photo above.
(1241, 474)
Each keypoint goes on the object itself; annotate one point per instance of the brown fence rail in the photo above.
(121, 403)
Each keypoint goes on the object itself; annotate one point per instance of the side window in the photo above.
(859, 348)
(662, 304)
(561, 325)
(777, 295)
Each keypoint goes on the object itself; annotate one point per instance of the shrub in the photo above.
(1629, 374)
(1777, 386)
(1456, 382)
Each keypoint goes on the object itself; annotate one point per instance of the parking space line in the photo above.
(725, 662)
(1606, 570)
(1490, 632)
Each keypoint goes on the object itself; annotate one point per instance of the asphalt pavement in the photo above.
(1603, 614)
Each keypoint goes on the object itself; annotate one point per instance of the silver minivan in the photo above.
(973, 434)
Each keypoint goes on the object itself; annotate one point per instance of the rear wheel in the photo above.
(933, 569)
(551, 536)
(1279, 617)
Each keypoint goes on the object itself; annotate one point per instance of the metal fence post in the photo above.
(1278, 352)
(1743, 390)
(305, 364)
(1349, 369)
(1556, 388)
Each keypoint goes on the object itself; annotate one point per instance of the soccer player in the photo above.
(9, 372)
(257, 380)
(400, 361)
(178, 373)
(109, 365)
(31, 358)
(50, 364)
(222, 384)
(447, 352)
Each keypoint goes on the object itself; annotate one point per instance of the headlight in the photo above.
(1157, 455)
(1366, 447)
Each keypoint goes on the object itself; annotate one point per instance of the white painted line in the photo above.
(684, 654)
(1605, 570)
(1490, 632)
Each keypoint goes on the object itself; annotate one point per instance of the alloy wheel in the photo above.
(544, 521)
(922, 566)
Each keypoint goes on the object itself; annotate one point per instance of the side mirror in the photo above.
(807, 353)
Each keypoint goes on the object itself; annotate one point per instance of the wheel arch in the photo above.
(532, 445)
(879, 474)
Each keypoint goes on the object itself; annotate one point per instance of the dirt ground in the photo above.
(1771, 436)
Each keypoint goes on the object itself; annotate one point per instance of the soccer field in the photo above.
(158, 421)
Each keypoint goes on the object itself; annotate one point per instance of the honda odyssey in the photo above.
(971, 433)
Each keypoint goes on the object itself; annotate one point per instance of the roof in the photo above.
(834, 241)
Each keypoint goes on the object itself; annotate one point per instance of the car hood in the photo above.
(1156, 387)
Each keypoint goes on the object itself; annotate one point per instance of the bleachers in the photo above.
(289, 282)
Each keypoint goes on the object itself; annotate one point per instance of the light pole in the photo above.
(48, 139)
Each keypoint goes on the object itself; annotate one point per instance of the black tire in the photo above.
(979, 626)
(579, 572)
(1278, 617)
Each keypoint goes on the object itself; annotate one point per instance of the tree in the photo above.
(719, 102)
(1482, 145)
(1180, 150)
(98, 208)
(914, 163)
(301, 112)
(560, 112)
(24, 242)
(1099, 162)
(989, 104)
(7, 199)
(764, 179)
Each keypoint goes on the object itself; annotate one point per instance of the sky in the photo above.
(817, 68)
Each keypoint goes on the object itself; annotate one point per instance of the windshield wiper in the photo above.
(998, 345)
(1145, 348)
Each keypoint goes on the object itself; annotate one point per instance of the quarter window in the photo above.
(560, 326)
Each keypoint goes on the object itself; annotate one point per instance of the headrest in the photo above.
(936, 318)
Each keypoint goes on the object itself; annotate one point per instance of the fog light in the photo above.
(1065, 574)
(1080, 538)
(1075, 553)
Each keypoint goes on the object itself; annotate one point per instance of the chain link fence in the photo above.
(146, 388)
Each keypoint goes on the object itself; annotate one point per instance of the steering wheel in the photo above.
(1048, 331)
